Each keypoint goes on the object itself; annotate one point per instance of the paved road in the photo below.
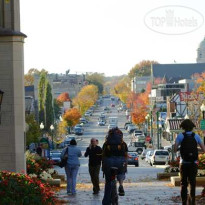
(142, 173)
(141, 186)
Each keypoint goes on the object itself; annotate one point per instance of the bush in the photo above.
(37, 165)
(201, 161)
(18, 189)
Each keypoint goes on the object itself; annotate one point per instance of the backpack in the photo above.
(188, 149)
(114, 145)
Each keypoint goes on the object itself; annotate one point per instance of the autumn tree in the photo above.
(143, 68)
(61, 132)
(29, 76)
(86, 98)
(72, 117)
(138, 104)
(96, 79)
(63, 97)
(122, 89)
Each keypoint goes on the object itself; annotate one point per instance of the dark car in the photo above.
(126, 125)
(67, 140)
(133, 159)
(78, 131)
(55, 156)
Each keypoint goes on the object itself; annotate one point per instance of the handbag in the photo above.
(64, 159)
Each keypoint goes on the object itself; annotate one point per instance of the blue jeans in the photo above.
(71, 174)
(109, 162)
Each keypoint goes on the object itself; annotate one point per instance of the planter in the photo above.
(59, 176)
(166, 176)
(200, 181)
(54, 182)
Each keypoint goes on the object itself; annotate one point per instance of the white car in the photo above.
(111, 126)
(160, 156)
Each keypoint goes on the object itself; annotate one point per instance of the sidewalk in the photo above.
(142, 193)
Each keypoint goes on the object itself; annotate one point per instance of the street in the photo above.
(141, 184)
(142, 173)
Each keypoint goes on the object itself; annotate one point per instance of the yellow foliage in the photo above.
(86, 98)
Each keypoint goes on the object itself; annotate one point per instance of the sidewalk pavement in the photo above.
(141, 193)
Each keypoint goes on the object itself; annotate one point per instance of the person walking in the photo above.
(188, 142)
(72, 166)
(114, 155)
(95, 157)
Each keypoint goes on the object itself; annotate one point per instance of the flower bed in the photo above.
(39, 167)
(18, 188)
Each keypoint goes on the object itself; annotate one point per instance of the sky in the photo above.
(109, 36)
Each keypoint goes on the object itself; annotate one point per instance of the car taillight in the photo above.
(136, 158)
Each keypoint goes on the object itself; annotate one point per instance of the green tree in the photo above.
(48, 107)
(57, 109)
(33, 132)
(96, 79)
(41, 97)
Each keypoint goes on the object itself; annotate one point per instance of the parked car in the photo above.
(110, 126)
(136, 147)
(148, 156)
(168, 148)
(131, 128)
(88, 114)
(55, 156)
(67, 140)
(78, 131)
(138, 132)
(101, 123)
(160, 157)
(133, 159)
(126, 125)
(83, 120)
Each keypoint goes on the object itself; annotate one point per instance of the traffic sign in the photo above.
(202, 124)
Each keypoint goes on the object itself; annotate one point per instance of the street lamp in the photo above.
(52, 128)
(1, 99)
(202, 108)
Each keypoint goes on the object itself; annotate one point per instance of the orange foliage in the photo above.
(201, 81)
(138, 104)
(63, 97)
(72, 116)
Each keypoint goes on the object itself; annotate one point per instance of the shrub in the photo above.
(201, 161)
(18, 189)
(37, 165)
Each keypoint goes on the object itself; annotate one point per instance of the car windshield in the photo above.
(161, 153)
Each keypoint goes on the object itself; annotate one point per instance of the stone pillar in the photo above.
(12, 127)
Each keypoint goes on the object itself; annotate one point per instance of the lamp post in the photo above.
(147, 123)
(157, 130)
(1, 99)
(202, 108)
(52, 128)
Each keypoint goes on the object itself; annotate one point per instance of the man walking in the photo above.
(95, 157)
(189, 155)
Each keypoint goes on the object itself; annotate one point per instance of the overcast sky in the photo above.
(109, 36)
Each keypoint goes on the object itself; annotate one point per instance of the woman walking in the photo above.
(72, 166)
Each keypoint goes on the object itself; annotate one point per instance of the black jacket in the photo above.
(95, 155)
